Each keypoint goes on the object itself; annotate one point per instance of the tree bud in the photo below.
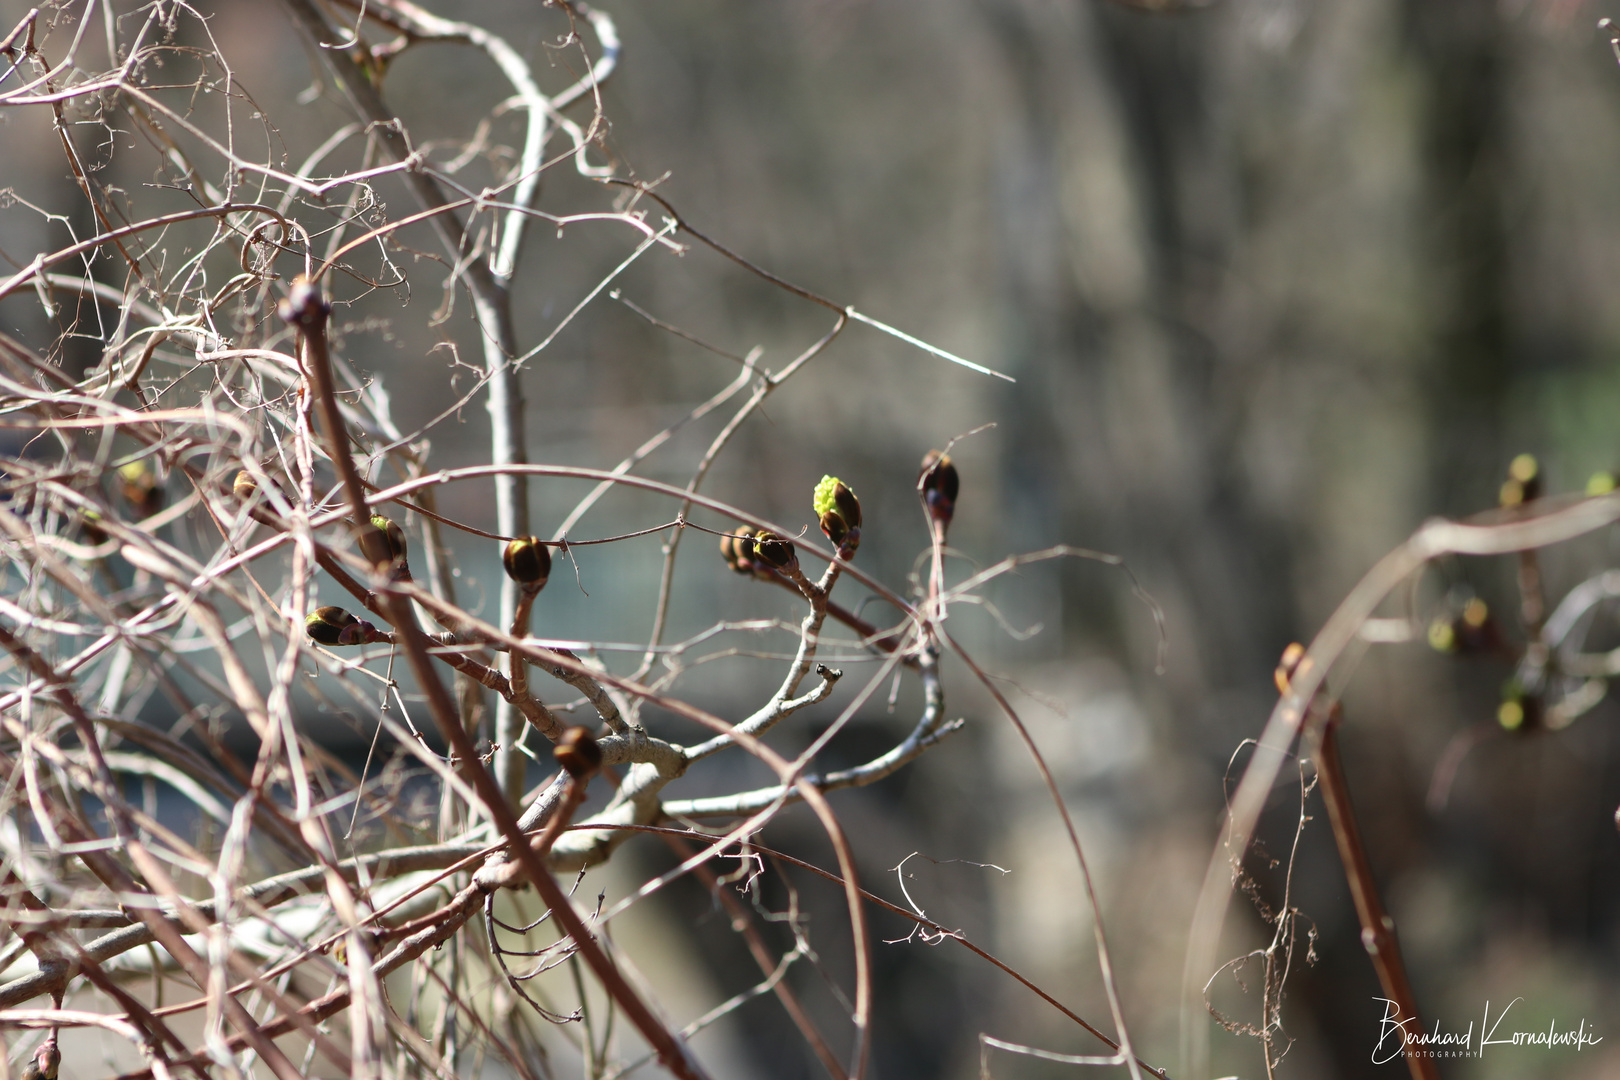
(384, 542)
(1291, 664)
(939, 486)
(90, 523)
(304, 305)
(578, 752)
(834, 528)
(738, 551)
(45, 1062)
(139, 484)
(1523, 482)
(774, 551)
(333, 627)
(1520, 710)
(838, 511)
(528, 562)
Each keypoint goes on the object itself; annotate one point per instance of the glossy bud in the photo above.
(578, 752)
(334, 627)
(939, 486)
(774, 551)
(834, 528)
(528, 562)
(738, 551)
(384, 542)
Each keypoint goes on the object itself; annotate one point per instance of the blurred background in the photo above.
(1278, 280)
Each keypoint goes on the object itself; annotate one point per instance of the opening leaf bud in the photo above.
(528, 562)
(838, 511)
(578, 752)
(939, 486)
(774, 551)
(334, 627)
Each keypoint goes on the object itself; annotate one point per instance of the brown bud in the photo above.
(528, 562)
(939, 484)
(45, 1062)
(578, 752)
(834, 527)
(334, 627)
(774, 551)
(738, 551)
(849, 507)
(384, 542)
(304, 305)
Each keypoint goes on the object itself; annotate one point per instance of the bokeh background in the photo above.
(1278, 280)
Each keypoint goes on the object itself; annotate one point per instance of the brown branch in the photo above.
(1377, 928)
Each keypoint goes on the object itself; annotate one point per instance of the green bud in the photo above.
(823, 498)
(528, 562)
(1520, 709)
